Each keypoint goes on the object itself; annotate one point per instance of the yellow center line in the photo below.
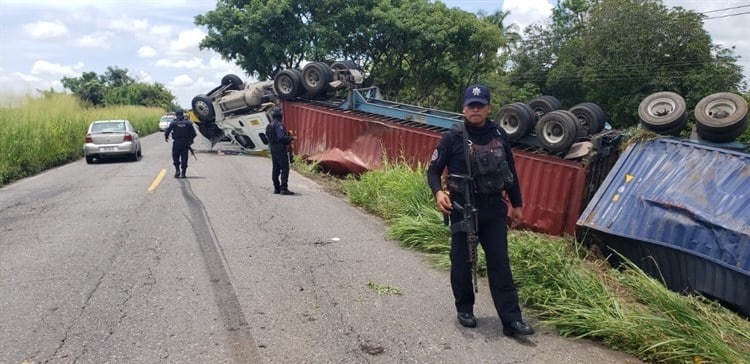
(157, 180)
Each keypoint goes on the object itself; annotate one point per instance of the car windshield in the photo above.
(167, 118)
(108, 126)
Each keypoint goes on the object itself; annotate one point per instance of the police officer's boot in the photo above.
(183, 173)
(176, 172)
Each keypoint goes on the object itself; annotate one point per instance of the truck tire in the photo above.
(344, 65)
(721, 117)
(557, 130)
(517, 119)
(662, 111)
(591, 116)
(544, 104)
(233, 81)
(288, 84)
(315, 77)
(203, 107)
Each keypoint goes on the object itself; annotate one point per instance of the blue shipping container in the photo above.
(681, 212)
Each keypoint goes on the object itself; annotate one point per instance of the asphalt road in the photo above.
(100, 263)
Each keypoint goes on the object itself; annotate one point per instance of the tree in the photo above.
(116, 87)
(616, 52)
(416, 50)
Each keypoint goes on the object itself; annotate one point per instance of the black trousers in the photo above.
(180, 153)
(493, 236)
(280, 170)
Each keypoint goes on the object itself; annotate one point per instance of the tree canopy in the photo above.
(116, 87)
(616, 52)
(611, 52)
(418, 51)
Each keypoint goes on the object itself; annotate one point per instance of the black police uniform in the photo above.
(492, 215)
(183, 133)
(278, 142)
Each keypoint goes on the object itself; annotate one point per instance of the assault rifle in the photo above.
(192, 152)
(469, 224)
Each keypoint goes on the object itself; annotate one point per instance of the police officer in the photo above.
(485, 141)
(183, 134)
(279, 140)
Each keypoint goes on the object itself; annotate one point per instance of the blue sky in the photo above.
(42, 41)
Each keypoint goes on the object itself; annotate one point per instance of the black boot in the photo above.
(176, 173)
(183, 173)
(286, 192)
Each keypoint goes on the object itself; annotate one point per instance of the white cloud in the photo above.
(27, 78)
(181, 80)
(161, 30)
(187, 40)
(128, 24)
(191, 63)
(44, 68)
(95, 40)
(526, 12)
(46, 30)
(146, 52)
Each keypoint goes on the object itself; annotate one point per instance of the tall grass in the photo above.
(40, 133)
(578, 295)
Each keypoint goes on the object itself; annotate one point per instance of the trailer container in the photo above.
(555, 190)
(681, 212)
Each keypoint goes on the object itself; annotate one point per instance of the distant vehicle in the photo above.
(111, 138)
(165, 121)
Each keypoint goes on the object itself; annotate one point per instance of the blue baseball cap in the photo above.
(477, 94)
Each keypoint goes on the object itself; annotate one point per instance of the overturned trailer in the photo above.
(355, 134)
(680, 211)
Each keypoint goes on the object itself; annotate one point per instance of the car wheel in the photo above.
(288, 84)
(662, 111)
(315, 77)
(517, 119)
(544, 104)
(557, 130)
(233, 82)
(203, 108)
(89, 159)
(591, 116)
(721, 117)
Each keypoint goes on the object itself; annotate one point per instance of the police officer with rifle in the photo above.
(481, 174)
(279, 141)
(183, 133)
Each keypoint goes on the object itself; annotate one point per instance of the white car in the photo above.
(111, 138)
(165, 121)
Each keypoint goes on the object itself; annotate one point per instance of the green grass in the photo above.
(40, 133)
(572, 291)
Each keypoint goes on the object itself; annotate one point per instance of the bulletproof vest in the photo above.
(490, 169)
(271, 132)
(181, 130)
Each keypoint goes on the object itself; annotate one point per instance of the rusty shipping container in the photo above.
(555, 191)
(680, 211)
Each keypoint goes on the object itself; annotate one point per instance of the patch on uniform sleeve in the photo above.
(434, 155)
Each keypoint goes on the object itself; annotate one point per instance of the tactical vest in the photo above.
(271, 132)
(181, 130)
(489, 167)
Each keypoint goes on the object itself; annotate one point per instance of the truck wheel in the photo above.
(662, 111)
(544, 104)
(89, 159)
(557, 130)
(233, 81)
(315, 77)
(344, 65)
(288, 84)
(590, 115)
(203, 108)
(721, 117)
(517, 119)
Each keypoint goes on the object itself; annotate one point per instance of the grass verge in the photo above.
(579, 295)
